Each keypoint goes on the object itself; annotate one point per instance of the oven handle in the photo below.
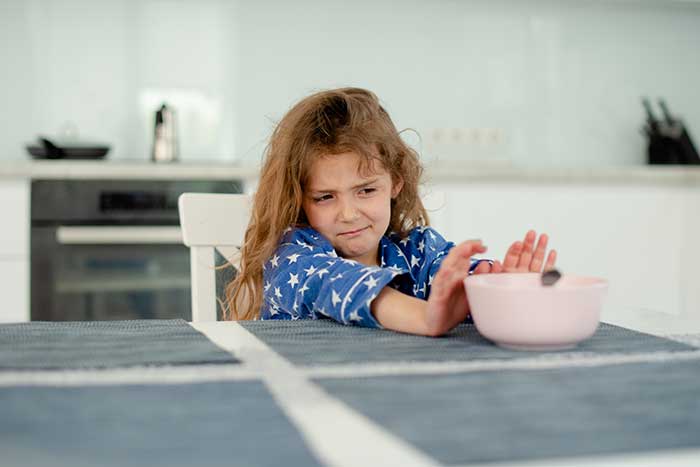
(101, 235)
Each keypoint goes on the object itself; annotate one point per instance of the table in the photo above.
(318, 393)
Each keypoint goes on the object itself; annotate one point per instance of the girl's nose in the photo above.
(348, 212)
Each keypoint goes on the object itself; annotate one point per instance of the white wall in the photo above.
(641, 238)
(560, 81)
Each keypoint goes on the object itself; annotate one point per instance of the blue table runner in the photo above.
(105, 344)
(325, 342)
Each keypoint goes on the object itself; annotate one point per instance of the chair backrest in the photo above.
(211, 221)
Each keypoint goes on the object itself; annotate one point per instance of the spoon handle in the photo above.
(550, 277)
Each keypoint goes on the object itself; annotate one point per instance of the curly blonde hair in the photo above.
(329, 122)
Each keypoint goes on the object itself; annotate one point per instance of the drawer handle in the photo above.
(99, 235)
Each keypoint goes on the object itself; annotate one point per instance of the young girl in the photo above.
(339, 231)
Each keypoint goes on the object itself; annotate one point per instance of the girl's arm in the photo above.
(446, 306)
(400, 312)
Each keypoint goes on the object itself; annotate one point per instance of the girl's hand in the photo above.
(447, 304)
(525, 257)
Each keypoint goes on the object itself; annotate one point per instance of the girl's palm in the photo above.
(526, 257)
(447, 303)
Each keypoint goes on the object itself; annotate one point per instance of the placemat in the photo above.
(325, 342)
(105, 344)
(207, 424)
(501, 416)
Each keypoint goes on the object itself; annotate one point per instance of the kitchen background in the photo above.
(532, 83)
(529, 114)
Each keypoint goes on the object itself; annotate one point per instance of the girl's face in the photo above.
(351, 210)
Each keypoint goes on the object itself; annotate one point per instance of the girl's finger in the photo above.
(538, 256)
(458, 277)
(528, 248)
(440, 286)
(551, 259)
(496, 267)
(483, 268)
(464, 251)
(510, 262)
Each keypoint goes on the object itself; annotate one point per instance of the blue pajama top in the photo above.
(306, 279)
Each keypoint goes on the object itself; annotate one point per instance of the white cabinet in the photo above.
(14, 290)
(14, 250)
(642, 238)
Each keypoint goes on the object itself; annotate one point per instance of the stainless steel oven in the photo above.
(110, 249)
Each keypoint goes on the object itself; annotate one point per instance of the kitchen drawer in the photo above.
(14, 207)
(14, 290)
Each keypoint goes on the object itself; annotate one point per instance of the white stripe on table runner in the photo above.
(542, 362)
(174, 374)
(335, 433)
(689, 339)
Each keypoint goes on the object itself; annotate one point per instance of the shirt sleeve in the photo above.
(306, 279)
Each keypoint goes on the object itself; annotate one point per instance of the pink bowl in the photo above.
(516, 311)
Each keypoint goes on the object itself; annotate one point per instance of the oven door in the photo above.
(90, 273)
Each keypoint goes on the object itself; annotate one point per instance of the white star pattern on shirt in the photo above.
(321, 311)
(432, 235)
(267, 286)
(305, 245)
(335, 298)
(430, 279)
(310, 271)
(369, 301)
(336, 277)
(421, 246)
(414, 261)
(303, 289)
(355, 316)
(395, 268)
(293, 279)
(321, 272)
(293, 258)
(404, 241)
(278, 294)
(371, 283)
(274, 260)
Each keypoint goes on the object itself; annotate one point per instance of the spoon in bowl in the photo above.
(550, 277)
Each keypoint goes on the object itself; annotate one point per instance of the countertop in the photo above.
(434, 172)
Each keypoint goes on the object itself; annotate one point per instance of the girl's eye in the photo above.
(368, 190)
(318, 199)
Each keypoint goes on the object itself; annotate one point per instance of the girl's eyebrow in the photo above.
(359, 185)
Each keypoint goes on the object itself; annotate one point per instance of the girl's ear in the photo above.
(396, 188)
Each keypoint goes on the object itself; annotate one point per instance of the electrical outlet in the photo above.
(482, 145)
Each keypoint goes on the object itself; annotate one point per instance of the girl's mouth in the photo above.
(353, 233)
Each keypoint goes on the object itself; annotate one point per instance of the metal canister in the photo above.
(165, 136)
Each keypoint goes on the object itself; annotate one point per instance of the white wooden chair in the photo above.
(211, 221)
